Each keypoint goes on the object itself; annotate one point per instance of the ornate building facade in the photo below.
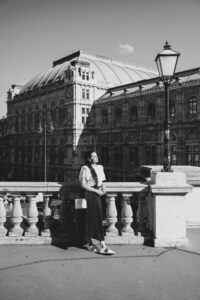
(129, 121)
(92, 102)
(49, 126)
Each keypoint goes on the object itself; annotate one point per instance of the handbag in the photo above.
(80, 203)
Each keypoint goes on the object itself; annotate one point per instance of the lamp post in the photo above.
(166, 62)
(43, 128)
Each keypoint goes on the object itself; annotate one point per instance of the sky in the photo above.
(34, 33)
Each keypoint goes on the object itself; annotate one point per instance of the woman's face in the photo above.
(94, 158)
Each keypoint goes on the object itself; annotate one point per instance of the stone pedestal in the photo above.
(168, 205)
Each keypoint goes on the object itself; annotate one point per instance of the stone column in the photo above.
(32, 230)
(168, 202)
(111, 215)
(3, 230)
(127, 215)
(16, 219)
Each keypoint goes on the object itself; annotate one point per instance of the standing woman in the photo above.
(91, 177)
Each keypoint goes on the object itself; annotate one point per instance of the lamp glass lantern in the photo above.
(166, 62)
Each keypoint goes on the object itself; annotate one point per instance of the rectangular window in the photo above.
(148, 155)
(118, 157)
(173, 155)
(192, 155)
(131, 156)
(196, 159)
(83, 93)
(189, 159)
(87, 94)
(105, 155)
(196, 148)
(151, 156)
(87, 76)
(85, 112)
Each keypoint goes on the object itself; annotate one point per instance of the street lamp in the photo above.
(43, 128)
(166, 62)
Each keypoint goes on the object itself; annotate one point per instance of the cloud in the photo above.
(125, 48)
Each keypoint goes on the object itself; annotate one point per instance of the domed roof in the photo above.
(107, 71)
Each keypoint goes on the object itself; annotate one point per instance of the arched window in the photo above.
(118, 115)
(192, 106)
(172, 108)
(134, 113)
(105, 116)
(151, 111)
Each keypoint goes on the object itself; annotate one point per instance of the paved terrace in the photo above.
(135, 272)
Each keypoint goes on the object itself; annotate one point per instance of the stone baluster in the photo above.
(3, 230)
(47, 217)
(111, 215)
(32, 218)
(16, 219)
(127, 215)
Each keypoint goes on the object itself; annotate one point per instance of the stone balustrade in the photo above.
(134, 210)
(18, 226)
(15, 227)
(119, 221)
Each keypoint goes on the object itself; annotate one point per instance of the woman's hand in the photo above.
(100, 193)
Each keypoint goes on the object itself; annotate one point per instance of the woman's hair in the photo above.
(87, 156)
(88, 163)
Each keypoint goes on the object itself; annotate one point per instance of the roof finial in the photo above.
(167, 45)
